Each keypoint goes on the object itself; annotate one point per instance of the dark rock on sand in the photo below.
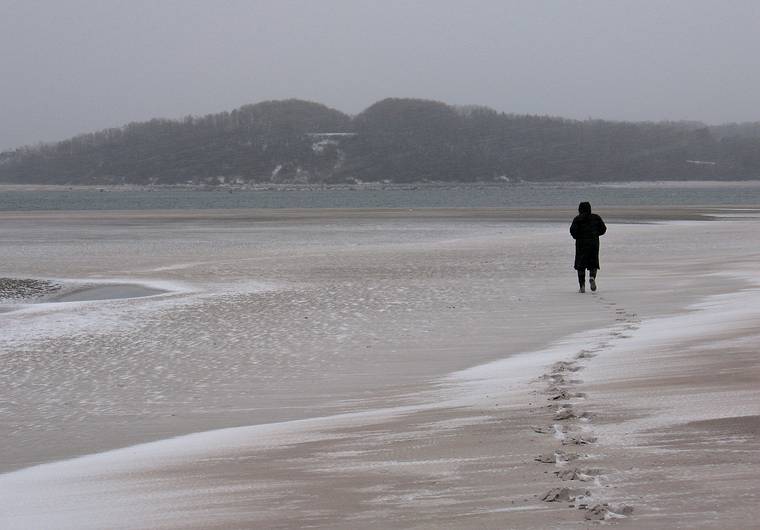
(24, 288)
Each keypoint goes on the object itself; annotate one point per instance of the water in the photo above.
(464, 196)
(106, 292)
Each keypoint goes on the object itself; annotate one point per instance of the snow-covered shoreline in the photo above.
(452, 300)
(126, 488)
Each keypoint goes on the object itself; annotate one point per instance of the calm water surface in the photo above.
(472, 196)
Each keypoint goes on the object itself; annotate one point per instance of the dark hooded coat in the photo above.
(586, 229)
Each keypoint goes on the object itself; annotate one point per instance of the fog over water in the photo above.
(81, 65)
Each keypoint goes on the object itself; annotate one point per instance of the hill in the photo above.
(396, 140)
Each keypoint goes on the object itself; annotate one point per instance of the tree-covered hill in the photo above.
(255, 142)
(397, 140)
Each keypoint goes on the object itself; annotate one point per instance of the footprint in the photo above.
(562, 495)
(564, 413)
(601, 512)
(561, 366)
(557, 457)
(547, 458)
(579, 439)
(562, 395)
(551, 377)
(573, 474)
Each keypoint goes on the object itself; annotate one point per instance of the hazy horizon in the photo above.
(82, 65)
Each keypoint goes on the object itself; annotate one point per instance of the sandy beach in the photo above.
(380, 369)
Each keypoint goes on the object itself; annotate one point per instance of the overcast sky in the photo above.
(72, 66)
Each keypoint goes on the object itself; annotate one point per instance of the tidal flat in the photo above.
(344, 362)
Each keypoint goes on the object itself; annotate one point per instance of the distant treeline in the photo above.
(395, 140)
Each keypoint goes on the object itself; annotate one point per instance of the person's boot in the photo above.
(592, 283)
(582, 289)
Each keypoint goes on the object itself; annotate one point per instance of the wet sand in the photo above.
(656, 396)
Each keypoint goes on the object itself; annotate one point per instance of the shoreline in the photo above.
(581, 445)
(536, 214)
(118, 467)
(466, 456)
(575, 440)
(294, 186)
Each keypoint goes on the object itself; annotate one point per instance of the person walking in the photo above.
(586, 229)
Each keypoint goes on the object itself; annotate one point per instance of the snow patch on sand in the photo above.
(113, 490)
(119, 488)
(52, 319)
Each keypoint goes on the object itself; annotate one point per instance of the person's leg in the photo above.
(592, 279)
(582, 280)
